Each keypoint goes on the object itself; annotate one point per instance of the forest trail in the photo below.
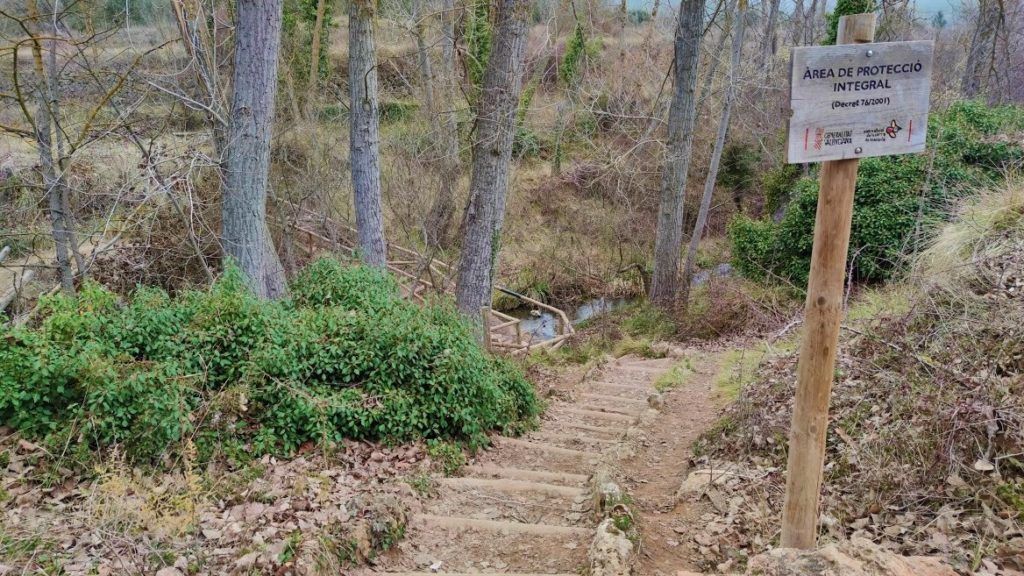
(526, 506)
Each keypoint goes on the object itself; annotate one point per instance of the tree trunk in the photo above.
(623, 20)
(313, 83)
(426, 73)
(443, 123)
(365, 133)
(246, 237)
(797, 22)
(665, 280)
(61, 164)
(715, 57)
(810, 28)
(52, 179)
(716, 155)
(492, 155)
(982, 48)
(768, 43)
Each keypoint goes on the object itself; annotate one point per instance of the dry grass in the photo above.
(927, 417)
(986, 231)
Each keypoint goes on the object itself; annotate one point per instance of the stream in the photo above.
(541, 324)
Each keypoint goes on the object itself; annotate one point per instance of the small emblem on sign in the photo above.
(893, 129)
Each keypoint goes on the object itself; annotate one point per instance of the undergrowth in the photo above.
(926, 420)
(899, 202)
(343, 357)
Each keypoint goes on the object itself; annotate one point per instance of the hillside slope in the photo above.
(924, 450)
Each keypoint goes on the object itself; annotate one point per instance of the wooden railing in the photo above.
(421, 275)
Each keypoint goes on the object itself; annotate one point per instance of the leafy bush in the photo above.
(845, 8)
(526, 143)
(777, 184)
(898, 198)
(344, 357)
(393, 111)
(298, 23)
(648, 321)
(752, 246)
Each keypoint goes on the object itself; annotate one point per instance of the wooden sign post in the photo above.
(824, 135)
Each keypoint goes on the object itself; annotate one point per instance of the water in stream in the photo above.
(542, 324)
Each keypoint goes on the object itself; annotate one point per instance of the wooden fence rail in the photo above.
(421, 275)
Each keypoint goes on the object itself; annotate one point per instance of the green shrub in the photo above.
(345, 357)
(326, 282)
(896, 197)
(777, 184)
(752, 245)
(478, 40)
(298, 23)
(392, 111)
(448, 456)
(526, 143)
(845, 8)
(647, 321)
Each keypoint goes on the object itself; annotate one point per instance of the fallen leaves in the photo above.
(270, 516)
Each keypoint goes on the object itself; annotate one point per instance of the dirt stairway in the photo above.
(525, 507)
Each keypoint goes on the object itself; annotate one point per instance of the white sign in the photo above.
(859, 100)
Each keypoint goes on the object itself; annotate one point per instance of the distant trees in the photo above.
(245, 235)
(492, 155)
(364, 132)
(669, 236)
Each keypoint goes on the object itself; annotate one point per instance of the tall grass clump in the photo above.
(343, 357)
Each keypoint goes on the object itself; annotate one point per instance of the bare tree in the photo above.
(198, 28)
(49, 158)
(715, 56)
(980, 68)
(314, 57)
(811, 25)
(769, 40)
(492, 155)
(665, 280)
(365, 133)
(439, 97)
(716, 155)
(246, 237)
(797, 23)
(47, 36)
